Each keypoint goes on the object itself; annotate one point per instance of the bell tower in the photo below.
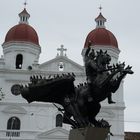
(98, 39)
(21, 46)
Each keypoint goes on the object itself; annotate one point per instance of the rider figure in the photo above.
(92, 71)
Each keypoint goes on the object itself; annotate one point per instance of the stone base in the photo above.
(89, 133)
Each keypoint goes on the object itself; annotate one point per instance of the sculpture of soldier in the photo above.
(95, 72)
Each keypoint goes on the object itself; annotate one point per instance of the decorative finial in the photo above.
(24, 15)
(100, 8)
(100, 20)
(25, 3)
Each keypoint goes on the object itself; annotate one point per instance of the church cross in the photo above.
(25, 3)
(62, 50)
(100, 8)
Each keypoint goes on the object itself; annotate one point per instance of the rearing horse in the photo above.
(107, 81)
(74, 100)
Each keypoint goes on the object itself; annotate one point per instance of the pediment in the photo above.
(57, 132)
(68, 64)
(14, 109)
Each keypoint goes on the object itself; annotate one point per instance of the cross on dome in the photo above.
(100, 8)
(24, 15)
(100, 20)
(62, 50)
(25, 3)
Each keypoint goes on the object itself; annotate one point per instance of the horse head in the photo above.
(103, 59)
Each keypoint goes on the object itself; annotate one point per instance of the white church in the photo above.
(20, 60)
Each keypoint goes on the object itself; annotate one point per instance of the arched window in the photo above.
(61, 66)
(59, 120)
(12, 125)
(19, 61)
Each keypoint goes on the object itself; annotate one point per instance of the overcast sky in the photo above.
(68, 22)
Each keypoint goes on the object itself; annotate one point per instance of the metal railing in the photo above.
(12, 133)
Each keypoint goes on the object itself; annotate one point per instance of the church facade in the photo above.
(43, 121)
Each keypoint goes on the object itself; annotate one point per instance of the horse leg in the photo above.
(77, 115)
(93, 110)
(67, 119)
(72, 110)
(110, 101)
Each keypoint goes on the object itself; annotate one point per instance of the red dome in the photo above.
(22, 32)
(101, 36)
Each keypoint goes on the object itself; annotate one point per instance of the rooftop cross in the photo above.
(62, 50)
(25, 3)
(100, 8)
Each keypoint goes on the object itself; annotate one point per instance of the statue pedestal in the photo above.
(89, 133)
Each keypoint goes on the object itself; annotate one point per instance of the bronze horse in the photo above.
(61, 89)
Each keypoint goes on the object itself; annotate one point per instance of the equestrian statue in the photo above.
(81, 103)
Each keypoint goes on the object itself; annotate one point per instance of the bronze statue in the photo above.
(80, 104)
(96, 69)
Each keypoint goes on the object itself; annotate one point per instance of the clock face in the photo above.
(15, 89)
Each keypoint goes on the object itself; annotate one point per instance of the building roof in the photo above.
(101, 36)
(100, 16)
(22, 32)
(24, 12)
(132, 135)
